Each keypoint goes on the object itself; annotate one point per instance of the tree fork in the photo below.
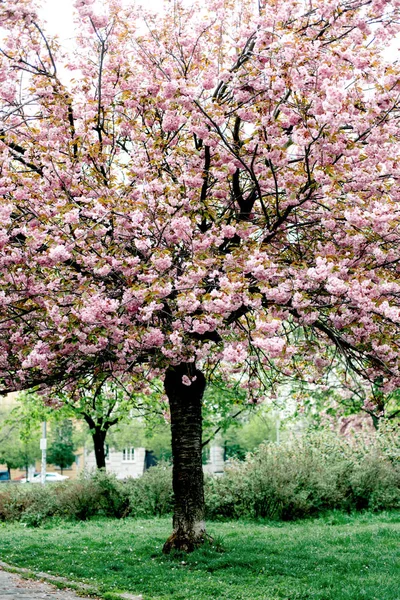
(185, 403)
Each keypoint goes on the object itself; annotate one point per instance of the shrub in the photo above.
(12, 503)
(151, 494)
(113, 497)
(302, 477)
(98, 493)
(78, 499)
(308, 475)
(16, 502)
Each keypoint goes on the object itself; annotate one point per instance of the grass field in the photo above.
(335, 558)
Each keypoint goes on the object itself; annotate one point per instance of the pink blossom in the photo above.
(153, 337)
(171, 121)
(274, 346)
(228, 231)
(162, 263)
(321, 271)
(336, 286)
(59, 254)
(5, 213)
(234, 353)
(72, 216)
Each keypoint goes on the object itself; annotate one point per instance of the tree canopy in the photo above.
(212, 188)
(211, 183)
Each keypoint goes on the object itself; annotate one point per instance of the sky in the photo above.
(59, 16)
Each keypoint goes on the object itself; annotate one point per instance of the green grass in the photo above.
(333, 558)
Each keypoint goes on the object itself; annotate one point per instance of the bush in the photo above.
(99, 493)
(79, 499)
(113, 498)
(302, 477)
(11, 504)
(151, 494)
(307, 476)
(35, 504)
(375, 479)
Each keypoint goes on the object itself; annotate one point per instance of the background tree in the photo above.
(61, 448)
(147, 424)
(19, 440)
(103, 403)
(214, 189)
(21, 429)
(249, 432)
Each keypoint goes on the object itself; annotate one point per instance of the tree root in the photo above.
(184, 542)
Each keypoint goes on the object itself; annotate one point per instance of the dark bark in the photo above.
(187, 478)
(99, 437)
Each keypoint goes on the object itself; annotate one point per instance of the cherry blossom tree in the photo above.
(210, 188)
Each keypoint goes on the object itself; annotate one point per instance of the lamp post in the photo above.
(43, 447)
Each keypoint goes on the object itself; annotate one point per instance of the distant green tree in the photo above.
(20, 430)
(158, 440)
(61, 448)
(105, 403)
(239, 426)
(19, 441)
(249, 433)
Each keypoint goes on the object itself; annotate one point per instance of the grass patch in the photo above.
(338, 557)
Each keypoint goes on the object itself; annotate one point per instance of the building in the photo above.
(133, 462)
(129, 462)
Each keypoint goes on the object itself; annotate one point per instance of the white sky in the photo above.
(59, 17)
(58, 14)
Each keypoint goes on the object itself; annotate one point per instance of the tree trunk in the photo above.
(99, 436)
(187, 476)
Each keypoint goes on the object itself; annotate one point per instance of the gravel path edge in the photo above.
(80, 588)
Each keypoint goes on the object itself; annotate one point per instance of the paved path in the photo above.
(13, 587)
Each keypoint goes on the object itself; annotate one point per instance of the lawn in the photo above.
(333, 558)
